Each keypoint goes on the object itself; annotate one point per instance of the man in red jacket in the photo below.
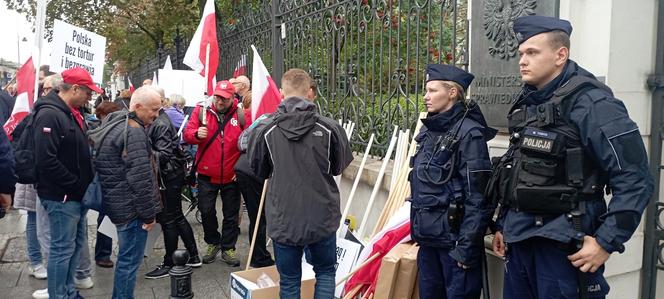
(216, 135)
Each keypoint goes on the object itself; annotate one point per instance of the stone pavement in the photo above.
(209, 281)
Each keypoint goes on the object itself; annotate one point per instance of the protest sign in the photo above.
(77, 47)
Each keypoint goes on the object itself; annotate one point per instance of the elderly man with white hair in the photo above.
(127, 176)
(243, 90)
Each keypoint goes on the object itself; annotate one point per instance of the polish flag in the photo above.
(206, 34)
(264, 93)
(131, 86)
(396, 231)
(25, 90)
(241, 67)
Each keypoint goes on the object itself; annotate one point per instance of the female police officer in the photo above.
(450, 168)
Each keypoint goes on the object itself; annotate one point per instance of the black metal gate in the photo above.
(653, 252)
(367, 57)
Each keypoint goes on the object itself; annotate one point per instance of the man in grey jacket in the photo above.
(128, 179)
(301, 152)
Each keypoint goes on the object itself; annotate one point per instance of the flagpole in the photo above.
(207, 76)
(39, 33)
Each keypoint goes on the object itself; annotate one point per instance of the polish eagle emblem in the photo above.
(499, 16)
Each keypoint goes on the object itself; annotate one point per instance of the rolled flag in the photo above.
(264, 93)
(25, 82)
(197, 54)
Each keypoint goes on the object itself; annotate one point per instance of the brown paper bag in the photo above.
(407, 274)
(389, 268)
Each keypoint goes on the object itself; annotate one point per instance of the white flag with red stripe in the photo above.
(197, 56)
(25, 82)
(131, 85)
(396, 231)
(264, 93)
(241, 67)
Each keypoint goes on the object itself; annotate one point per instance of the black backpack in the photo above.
(23, 144)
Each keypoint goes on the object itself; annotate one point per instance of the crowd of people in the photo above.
(571, 141)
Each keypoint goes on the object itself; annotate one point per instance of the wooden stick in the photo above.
(369, 260)
(378, 183)
(353, 292)
(351, 196)
(256, 224)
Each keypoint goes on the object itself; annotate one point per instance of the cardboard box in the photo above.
(407, 274)
(389, 268)
(416, 289)
(243, 284)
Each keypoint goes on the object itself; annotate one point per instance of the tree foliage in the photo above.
(134, 29)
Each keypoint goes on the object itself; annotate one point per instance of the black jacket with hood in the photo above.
(301, 152)
(62, 153)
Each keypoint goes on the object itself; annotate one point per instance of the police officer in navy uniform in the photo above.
(451, 167)
(571, 142)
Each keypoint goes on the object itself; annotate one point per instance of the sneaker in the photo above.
(212, 251)
(78, 296)
(229, 257)
(194, 262)
(40, 294)
(161, 271)
(85, 283)
(38, 271)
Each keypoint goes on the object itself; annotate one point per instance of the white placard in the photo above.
(108, 228)
(76, 47)
(184, 83)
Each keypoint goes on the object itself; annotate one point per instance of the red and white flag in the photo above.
(241, 67)
(131, 85)
(264, 93)
(25, 90)
(197, 54)
(396, 231)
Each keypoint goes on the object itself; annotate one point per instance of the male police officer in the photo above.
(570, 141)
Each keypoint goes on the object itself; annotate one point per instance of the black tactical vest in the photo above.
(546, 170)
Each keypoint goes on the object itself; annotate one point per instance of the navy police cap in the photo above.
(449, 73)
(528, 26)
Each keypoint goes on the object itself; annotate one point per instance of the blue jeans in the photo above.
(66, 221)
(131, 242)
(34, 249)
(289, 264)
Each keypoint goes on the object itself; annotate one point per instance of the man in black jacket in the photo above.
(171, 164)
(301, 152)
(64, 171)
(124, 164)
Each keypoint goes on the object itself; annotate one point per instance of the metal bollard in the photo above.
(181, 276)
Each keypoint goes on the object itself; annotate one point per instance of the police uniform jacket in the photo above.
(451, 179)
(611, 141)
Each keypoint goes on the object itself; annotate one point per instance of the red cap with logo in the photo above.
(80, 76)
(224, 89)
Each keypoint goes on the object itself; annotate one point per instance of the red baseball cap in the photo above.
(224, 89)
(80, 76)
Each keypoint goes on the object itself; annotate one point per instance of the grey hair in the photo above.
(55, 80)
(142, 95)
(177, 100)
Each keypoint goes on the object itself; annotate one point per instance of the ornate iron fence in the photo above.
(367, 57)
